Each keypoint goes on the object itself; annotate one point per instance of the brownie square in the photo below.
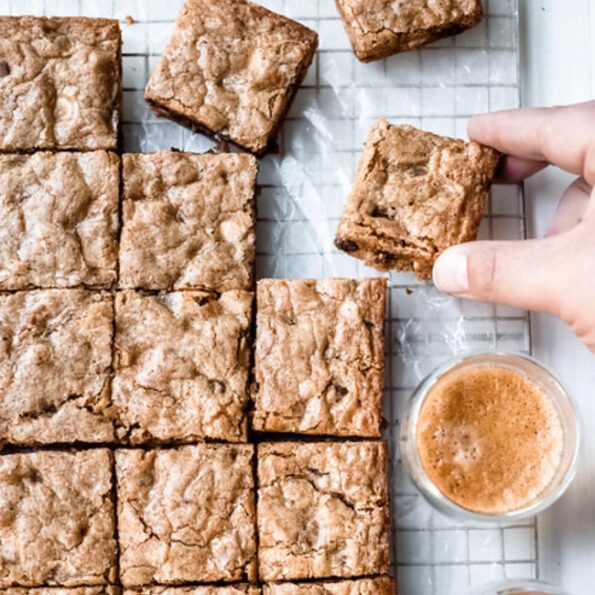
(415, 194)
(323, 510)
(186, 514)
(59, 214)
(99, 590)
(188, 221)
(319, 356)
(239, 589)
(181, 367)
(384, 27)
(55, 361)
(57, 519)
(60, 83)
(379, 585)
(231, 69)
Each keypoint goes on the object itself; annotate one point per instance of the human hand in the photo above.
(555, 274)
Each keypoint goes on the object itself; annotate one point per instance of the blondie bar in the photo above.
(415, 194)
(323, 510)
(59, 215)
(57, 519)
(188, 221)
(319, 356)
(60, 83)
(380, 585)
(181, 368)
(55, 359)
(379, 28)
(239, 589)
(231, 69)
(186, 515)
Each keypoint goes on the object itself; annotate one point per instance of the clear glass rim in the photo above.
(514, 587)
(431, 492)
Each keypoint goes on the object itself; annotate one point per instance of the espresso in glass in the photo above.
(490, 435)
(489, 438)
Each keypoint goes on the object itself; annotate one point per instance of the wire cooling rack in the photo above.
(302, 190)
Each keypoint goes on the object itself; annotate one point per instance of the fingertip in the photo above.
(450, 271)
(476, 127)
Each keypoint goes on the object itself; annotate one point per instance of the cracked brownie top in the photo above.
(103, 590)
(323, 510)
(188, 221)
(59, 83)
(59, 214)
(232, 67)
(55, 357)
(56, 519)
(185, 515)
(380, 585)
(181, 366)
(379, 28)
(319, 356)
(415, 194)
(241, 589)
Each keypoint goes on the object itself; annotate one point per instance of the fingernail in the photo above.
(450, 272)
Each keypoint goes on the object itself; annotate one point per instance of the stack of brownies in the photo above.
(141, 451)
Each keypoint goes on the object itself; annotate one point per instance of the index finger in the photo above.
(563, 136)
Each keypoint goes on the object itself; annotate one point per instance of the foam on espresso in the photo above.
(489, 438)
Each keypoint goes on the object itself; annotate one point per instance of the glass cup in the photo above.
(510, 587)
(535, 372)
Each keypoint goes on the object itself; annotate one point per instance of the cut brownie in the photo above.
(323, 510)
(99, 590)
(240, 589)
(415, 194)
(55, 359)
(188, 221)
(383, 27)
(186, 515)
(57, 519)
(59, 214)
(231, 69)
(60, 83)
(380, 585)
(181, 366)
(319, 356)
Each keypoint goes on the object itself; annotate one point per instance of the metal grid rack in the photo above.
(302, 190)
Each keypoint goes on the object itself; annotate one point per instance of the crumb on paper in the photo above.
(130, 20)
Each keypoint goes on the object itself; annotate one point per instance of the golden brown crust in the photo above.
(181, 368)
(319, 356)
(61, 83)
(241, 589)
(59, 215)
(55, 359)
(188, 221)
(57, 519)
(415, 194)
(379, 585)
(232, 67)
(186, 515)
(380, 28)
(323, 510)
(102, 590)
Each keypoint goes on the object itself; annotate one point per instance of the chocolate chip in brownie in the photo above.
(346, 245)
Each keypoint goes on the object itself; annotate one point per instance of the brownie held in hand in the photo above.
(415, 194)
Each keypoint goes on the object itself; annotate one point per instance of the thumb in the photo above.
(527, 274)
